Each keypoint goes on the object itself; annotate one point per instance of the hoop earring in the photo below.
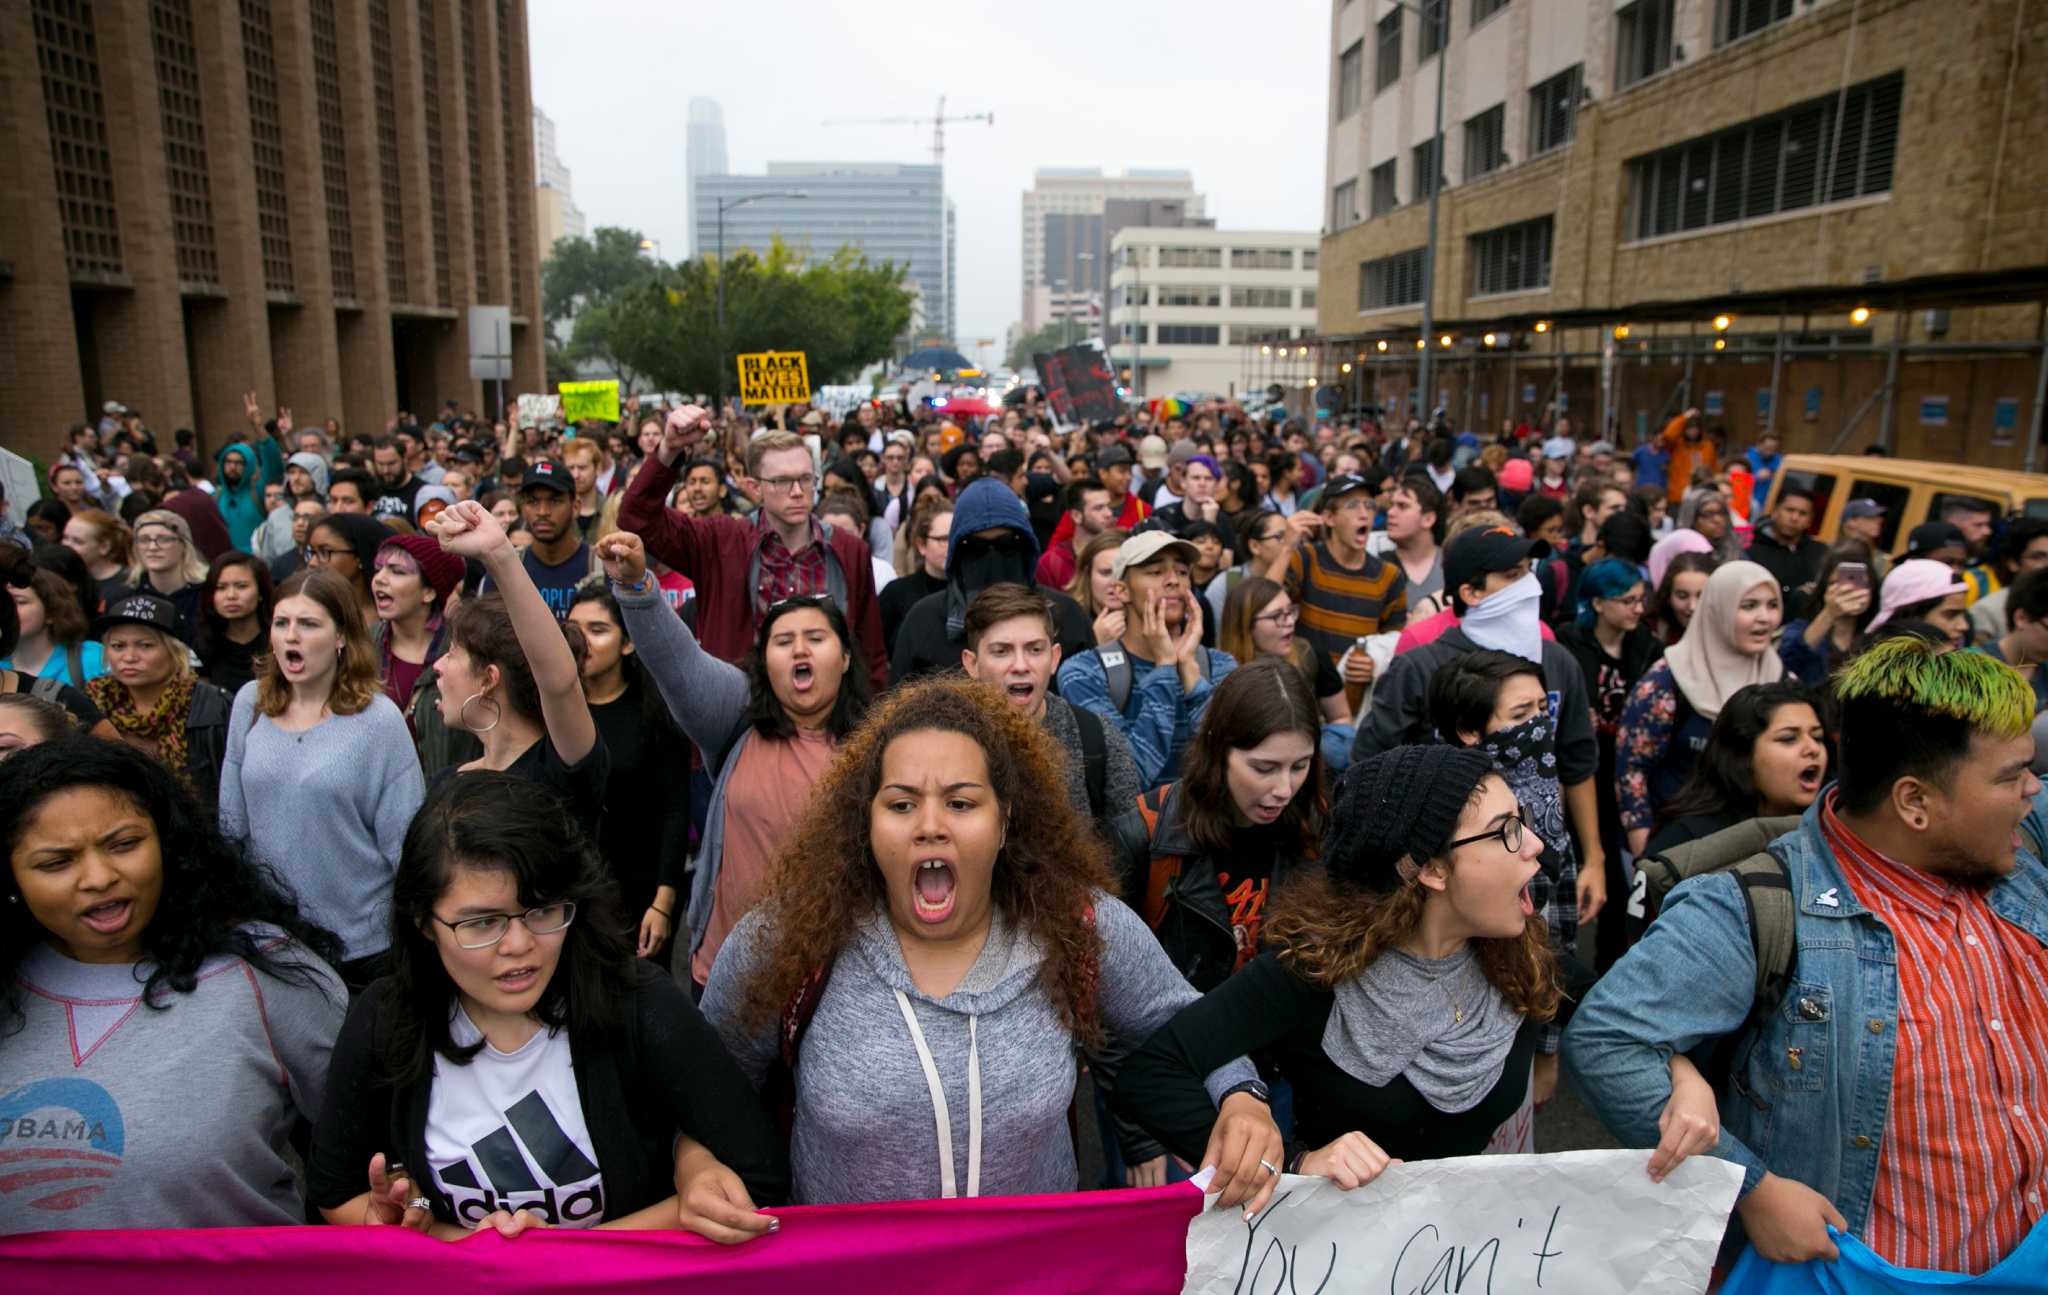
(462, 713)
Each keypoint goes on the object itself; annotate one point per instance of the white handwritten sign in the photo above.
(1575, 1222)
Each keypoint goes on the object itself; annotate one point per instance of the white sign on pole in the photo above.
(18, 476)
(537, 410)
(490, 343)
(1583, 1222)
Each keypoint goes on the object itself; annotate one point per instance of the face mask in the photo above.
(1507, 620)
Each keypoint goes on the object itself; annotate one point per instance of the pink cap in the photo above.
(1916, 580)
(1517, 475)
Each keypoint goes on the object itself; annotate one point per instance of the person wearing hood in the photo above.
(239, 494)
(1731, 642)
(305, 478)
(741, 567)
(991, 542)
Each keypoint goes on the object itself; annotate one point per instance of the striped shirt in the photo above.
(1340, 604)
(1963, 1173)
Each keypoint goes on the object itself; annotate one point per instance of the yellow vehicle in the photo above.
(1911, 491)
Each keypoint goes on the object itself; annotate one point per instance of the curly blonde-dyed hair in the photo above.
(826, 881)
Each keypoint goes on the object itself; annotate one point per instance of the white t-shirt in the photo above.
(506, 1132)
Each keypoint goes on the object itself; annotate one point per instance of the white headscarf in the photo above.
(1707, 665)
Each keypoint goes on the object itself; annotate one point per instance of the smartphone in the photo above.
(1854, 574)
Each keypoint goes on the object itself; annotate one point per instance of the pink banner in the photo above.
(1127, 1241)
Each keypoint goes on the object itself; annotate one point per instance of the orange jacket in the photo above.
(1685, 456)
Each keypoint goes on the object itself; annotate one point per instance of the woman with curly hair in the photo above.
(146, 962)
(513, 1001)
(1402, 988)
(937, 944)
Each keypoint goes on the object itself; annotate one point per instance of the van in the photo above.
(1911, 491)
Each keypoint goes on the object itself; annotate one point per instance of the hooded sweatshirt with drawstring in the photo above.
(973, 1086)
(240, 502)
(935, 630)
(274, 538)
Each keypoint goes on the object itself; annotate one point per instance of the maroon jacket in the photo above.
(718, 552)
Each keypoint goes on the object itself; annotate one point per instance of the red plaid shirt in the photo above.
(1963, 1173)
(788, 575)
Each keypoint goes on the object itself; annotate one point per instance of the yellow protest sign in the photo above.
(581, 400)
(774, 378)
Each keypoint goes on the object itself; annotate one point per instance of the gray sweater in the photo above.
(1120, 787)
(866, 1128)
(328, 808)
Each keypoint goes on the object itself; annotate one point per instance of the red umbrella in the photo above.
(969, 407)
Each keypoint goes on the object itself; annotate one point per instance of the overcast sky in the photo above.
(1234, 92)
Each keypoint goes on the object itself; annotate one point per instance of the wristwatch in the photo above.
(1255, 1087)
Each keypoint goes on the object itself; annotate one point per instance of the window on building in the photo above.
(1642, 41)
(1734, 19)
(1425, 171)
(1188, 334)
(1436, 27)
(1248, 334)
(1387, 52)
(1386, 189)
(1350, 79)
(1784, 162)
(1308, 258)
(1484, 9)
(1184, 294)
(1514, 258)
(1308, 298)
(1128, 332)
(1391, 281)
(1344, 205)
(1486, 145)
(1191, 258)
(1554, 110)
(1261, 258)
(1262, 298)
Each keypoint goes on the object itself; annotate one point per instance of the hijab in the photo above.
(1706, 664)
(1727, 548)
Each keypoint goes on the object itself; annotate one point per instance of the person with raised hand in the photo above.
(509, 675)
(768, 728)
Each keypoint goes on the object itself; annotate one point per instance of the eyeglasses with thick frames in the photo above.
(485, 931)
(1509, 832)
(799, 484)
(156, 540)
(320, 555)
(1285, 616)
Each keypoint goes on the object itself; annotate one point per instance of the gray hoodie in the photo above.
(869, 1114)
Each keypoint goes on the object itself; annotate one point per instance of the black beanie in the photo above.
(1403, 803)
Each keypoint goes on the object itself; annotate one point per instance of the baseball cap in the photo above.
(1182, 452)
(1477, 554)
(1915, 580)
(1114, 456)
(1929, 536)
(1559, 447)
(1140, 549)
(1862, 508)
(908, 440)
(813, 419)
(1343, 483)
(550, 473)
(1152, 452)
(139, 609)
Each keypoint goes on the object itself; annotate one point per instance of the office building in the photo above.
(554, 202)
(1071, 216)
(302, 199)
(703, 149)
(892, 211)
(1812, 216)
(1209, 311)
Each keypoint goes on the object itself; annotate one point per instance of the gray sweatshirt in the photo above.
(328, 809)
(866, 1122)
(1120, 786)
(172, 1118)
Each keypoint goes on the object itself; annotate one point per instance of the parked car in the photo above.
(1912, 491)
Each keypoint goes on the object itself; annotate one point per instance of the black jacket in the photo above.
(669, 1073)
(1795, 568)
(206, 740)
(923, 646)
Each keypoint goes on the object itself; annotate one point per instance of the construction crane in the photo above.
(937, 121)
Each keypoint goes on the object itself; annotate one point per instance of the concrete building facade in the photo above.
(892, 211)
(299, 197)
(703, 149)
(1205, 310)
(555, 211)
(1071, 215)
(1816, 217)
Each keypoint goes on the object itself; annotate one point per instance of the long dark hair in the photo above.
(212, 889)
(495, 822)
(764, 711)
(213, 628)
(1844, 551)
(1658, 614)
(652, 709)
(1251, 704)
(1724, 779)
(59, 560)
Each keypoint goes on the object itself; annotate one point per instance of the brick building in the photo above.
(1823, 216)
(303, 197)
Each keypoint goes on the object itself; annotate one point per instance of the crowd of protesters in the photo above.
(646, 825)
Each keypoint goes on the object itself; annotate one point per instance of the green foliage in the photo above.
(657, 325)
(1046, 340)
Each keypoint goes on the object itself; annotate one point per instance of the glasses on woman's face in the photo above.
(483, 932)
(1633, 600)
(320, 555)
(1284, 617)
(156, 540)
(1509, 832)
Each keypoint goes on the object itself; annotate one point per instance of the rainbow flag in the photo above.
(1168, 407)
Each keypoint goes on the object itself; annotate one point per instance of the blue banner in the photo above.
(1860, 1272)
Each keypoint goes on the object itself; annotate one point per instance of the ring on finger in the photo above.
(1269, 1168)
(419, 1203)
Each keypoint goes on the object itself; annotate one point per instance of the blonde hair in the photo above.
(173, 646)
(194, 569)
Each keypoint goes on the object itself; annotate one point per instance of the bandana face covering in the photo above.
(1508, 620)
(1526, 758)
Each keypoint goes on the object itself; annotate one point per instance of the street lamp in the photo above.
(1436, 151)
(651, 245)
(725, 205)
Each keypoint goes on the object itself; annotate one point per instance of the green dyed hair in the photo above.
(1910, 709)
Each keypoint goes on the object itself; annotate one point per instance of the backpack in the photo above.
(1094, 758)
(48, 688)
(1162, 870)
(1116, 673)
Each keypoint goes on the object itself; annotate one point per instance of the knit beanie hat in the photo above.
(1400, 804)
(441, 569)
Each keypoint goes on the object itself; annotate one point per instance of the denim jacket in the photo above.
(1810, 1100)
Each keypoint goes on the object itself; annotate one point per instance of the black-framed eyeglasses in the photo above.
(795, 601)
(1509, 832)
(485, 931)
